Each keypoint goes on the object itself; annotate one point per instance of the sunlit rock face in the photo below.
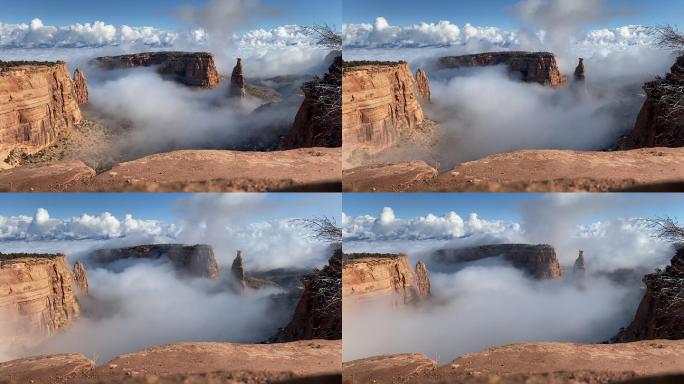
(194, 69)
(380, 105)
(38, 101)
(532, 67)
(538, 261)
(36, 297)
(387, 276)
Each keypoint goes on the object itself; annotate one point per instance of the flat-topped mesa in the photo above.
(318, 122)
(194, 69)
(192, 260)
(38, 102)
(80, 87)
(422, 85)
(661, 312)
(36, 297)
(661, 120)
(579, 71)
(368, 276)
(380, 105)
(237, 81)
(538, 261)
(318, 314)
(532, 67)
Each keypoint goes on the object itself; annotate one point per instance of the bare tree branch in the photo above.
(322, 228)
(668, 37)
(326, 36)
(666, 228)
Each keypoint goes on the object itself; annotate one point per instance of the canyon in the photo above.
(193, 69)
(531, 67)
(38, 101)
(538, 261)
(648, 158)
(380, 107)
(38, 296)
(384, 276)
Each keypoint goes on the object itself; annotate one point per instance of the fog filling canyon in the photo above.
(136, 303)
(489, 302)
(483, 111)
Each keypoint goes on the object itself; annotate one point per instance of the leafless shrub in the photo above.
(326, 35)
(322, 228)
(666, 228)
(668, 37)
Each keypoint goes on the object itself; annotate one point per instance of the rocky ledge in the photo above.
(543, 363)
(194, 69)
(647, 169)
(307, 169)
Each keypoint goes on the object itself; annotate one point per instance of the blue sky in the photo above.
(504, 206)
(497, 12)
(158, 206)
(157, 13)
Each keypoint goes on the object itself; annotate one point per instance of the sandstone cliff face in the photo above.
(661, 120)
(539, 261)
(422, 85)
(533, 67)
(194, 69)
(379, 106)
(661, 312)
(80, 277)
(388, 275)
(37, 102)
(195, 260)
(80, 87)
(319, 311)
(36, 297)
(318, 121)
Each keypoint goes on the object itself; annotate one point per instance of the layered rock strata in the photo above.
(318, 122)
(372, 276)
(80, 87)
(423, 85)
(661, 312)
(532, 67)
(38, 101)
(195, 260)
(36, 297)
(80, 277)
(194, 69)
(661, 120)
(538, 261)
(379, 107)
(319, 311)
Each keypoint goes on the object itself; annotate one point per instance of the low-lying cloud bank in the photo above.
(489, 303)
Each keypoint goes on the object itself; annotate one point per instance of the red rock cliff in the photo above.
(194, 69)
(661, 120)
(379, 106)
(38, 101)
(533, 67)
(80, 87)
(36, 297)
(539, 261)
(368, 276)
